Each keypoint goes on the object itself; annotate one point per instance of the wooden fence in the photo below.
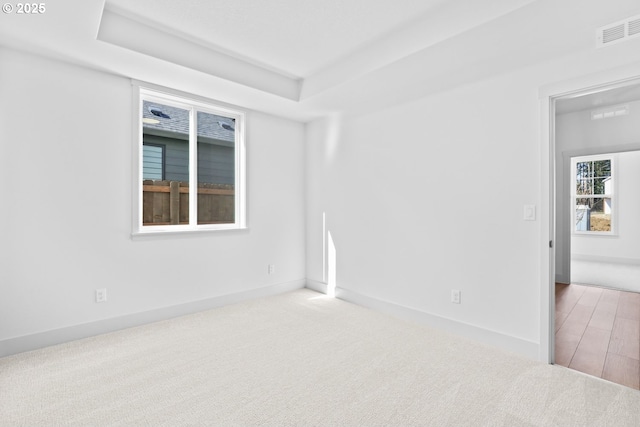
(167, 203)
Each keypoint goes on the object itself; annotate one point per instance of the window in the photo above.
(593, 194)
(190, 163)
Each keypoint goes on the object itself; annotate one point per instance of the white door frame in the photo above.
(547, 95)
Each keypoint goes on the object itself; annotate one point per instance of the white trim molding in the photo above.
(58, 336)
(193, 105)
(605, 259)
(317, 286)
(547, 94)
(497, 339)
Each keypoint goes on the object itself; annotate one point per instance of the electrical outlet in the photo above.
(455, 296)
(101, 295)
(271, 269)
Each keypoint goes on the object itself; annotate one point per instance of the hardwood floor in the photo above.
(598, 332)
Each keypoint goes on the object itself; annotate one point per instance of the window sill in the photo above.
(594, 234)
(151, 234)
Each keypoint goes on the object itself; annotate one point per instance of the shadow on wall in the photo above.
(333, 136)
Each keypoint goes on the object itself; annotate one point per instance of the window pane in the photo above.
(601, 215)
(216, 169)
(584, 186)
(583, 209)
(602, 168)
(583, 170)
(602, 186)
(593, 214)
(165, 191)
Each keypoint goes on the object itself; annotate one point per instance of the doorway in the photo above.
(596, 319)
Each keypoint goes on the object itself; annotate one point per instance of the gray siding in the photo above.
(176, 160)
(152, 162)
(216, 163)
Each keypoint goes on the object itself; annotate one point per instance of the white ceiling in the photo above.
(599, 98)
(304, 59)
(297, 37)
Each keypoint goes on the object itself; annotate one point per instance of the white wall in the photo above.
(428, 196)
(577, 134)
(66, 211)
(376, 178)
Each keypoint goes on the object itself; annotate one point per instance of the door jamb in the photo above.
(548, 94)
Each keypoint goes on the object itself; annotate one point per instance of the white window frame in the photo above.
(145, 92)
(612, 194)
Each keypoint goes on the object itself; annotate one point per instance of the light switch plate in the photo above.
(529, 212)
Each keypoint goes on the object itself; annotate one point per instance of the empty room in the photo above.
(323, 212)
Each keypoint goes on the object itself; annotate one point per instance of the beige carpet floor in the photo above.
(298, 359)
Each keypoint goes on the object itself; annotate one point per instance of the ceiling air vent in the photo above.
(633, 27)
(618, 31)
(612, 34)
(605, 113)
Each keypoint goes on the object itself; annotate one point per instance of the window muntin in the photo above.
(191, 165)
(593, 194)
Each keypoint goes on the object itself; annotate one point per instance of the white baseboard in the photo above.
(608, 272)
(500, 340)
(317, 286)
(605, 259)
(62, 335)
(57, 336)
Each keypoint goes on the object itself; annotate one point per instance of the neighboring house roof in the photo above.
(209, 125)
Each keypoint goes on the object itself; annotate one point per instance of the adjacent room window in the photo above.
(190, 162)
(593, 194)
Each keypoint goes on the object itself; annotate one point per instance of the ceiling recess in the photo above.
(617, 32)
